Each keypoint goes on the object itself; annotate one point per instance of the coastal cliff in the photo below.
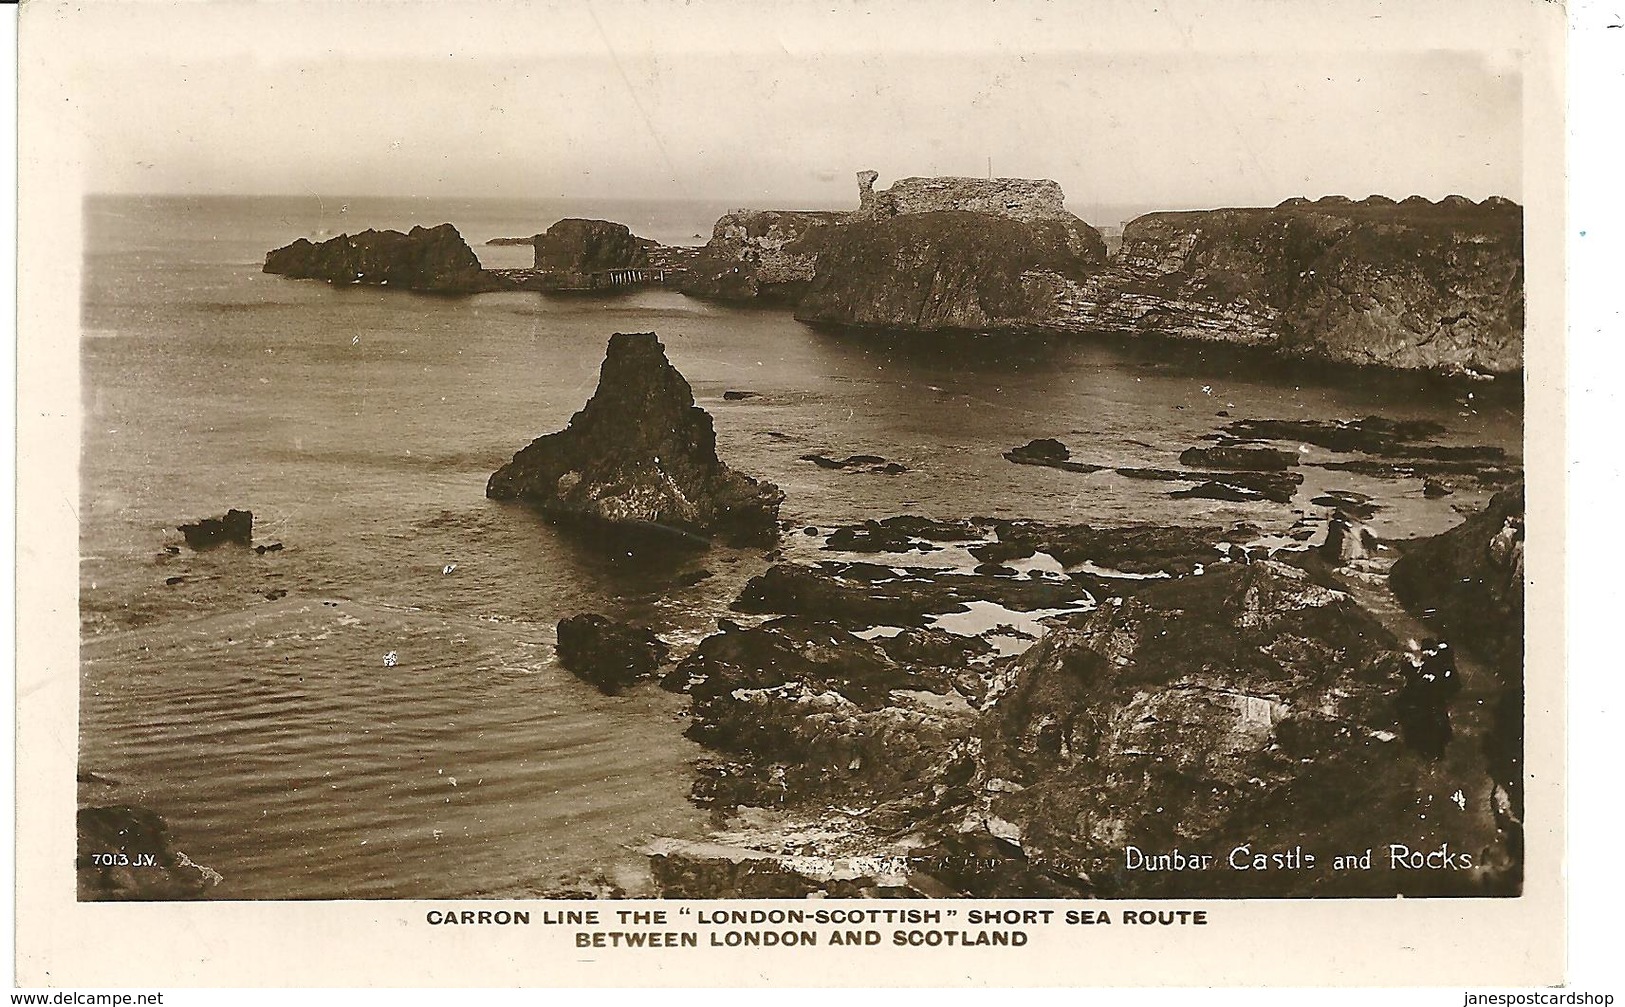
(1412, 285)
(766, 254)
(946, 269)
(640, 455)
(430, 259)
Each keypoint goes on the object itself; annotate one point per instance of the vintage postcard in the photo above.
(716, 493)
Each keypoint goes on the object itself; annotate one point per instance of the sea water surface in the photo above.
(375, 709)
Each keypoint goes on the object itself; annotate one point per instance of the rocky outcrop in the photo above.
(1249, 705)
(610, 655)
(576, 245)
(1470, 579)
(234, 527)
(1410, 285)
(760, 254)
(1240, 708)
(640, 453)
(429, 259)
(125, 854)
(947, 270)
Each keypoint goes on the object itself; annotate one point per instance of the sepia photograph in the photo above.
(631, 451)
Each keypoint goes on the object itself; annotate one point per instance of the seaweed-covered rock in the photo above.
(640, 453)
(609, 654)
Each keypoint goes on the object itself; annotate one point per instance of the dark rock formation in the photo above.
(234, 527)
(610, 655)
(431, 259)
(766, 254)
(1252, 704)
(1430, 286)
(903, 533)
(1377, 435)
(860, 463)
(1050, 453)
(640, 453)
(125, 855)
(1239, 457)
(574, 245)
(804, 709)
(868, 594)
(946, 270)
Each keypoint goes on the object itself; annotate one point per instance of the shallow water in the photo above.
(360, 426)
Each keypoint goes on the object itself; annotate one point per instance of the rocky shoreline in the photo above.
(999, 707)
(1411, 284)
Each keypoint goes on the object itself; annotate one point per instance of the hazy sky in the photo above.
(768, 103)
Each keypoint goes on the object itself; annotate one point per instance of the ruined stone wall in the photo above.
(1025, 199)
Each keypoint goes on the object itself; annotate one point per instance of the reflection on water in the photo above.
(246, 698)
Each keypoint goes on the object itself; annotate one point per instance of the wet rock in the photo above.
(1134, 549)
(1377, 435)
(861, 463)
(430, 259)
(739, 396)
(125, 854)
(904, 533)
(1432, 489)
(268, 547)
(610, 655)
(1239, 457)
(235, 527)
(1252, 701)
(806, 709)
(1049, 452)
(640, 454)
(172, 581)
(1218, 491)
(864, 595)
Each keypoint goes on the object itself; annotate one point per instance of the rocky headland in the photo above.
(640, 455)
(1412, 284)
(429, 259)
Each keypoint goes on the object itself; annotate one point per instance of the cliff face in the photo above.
(947, 269)
(433, 259)
(640, 453)
(768, 254)
(1413, 285)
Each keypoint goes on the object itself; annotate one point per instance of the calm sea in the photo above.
(375, 710)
